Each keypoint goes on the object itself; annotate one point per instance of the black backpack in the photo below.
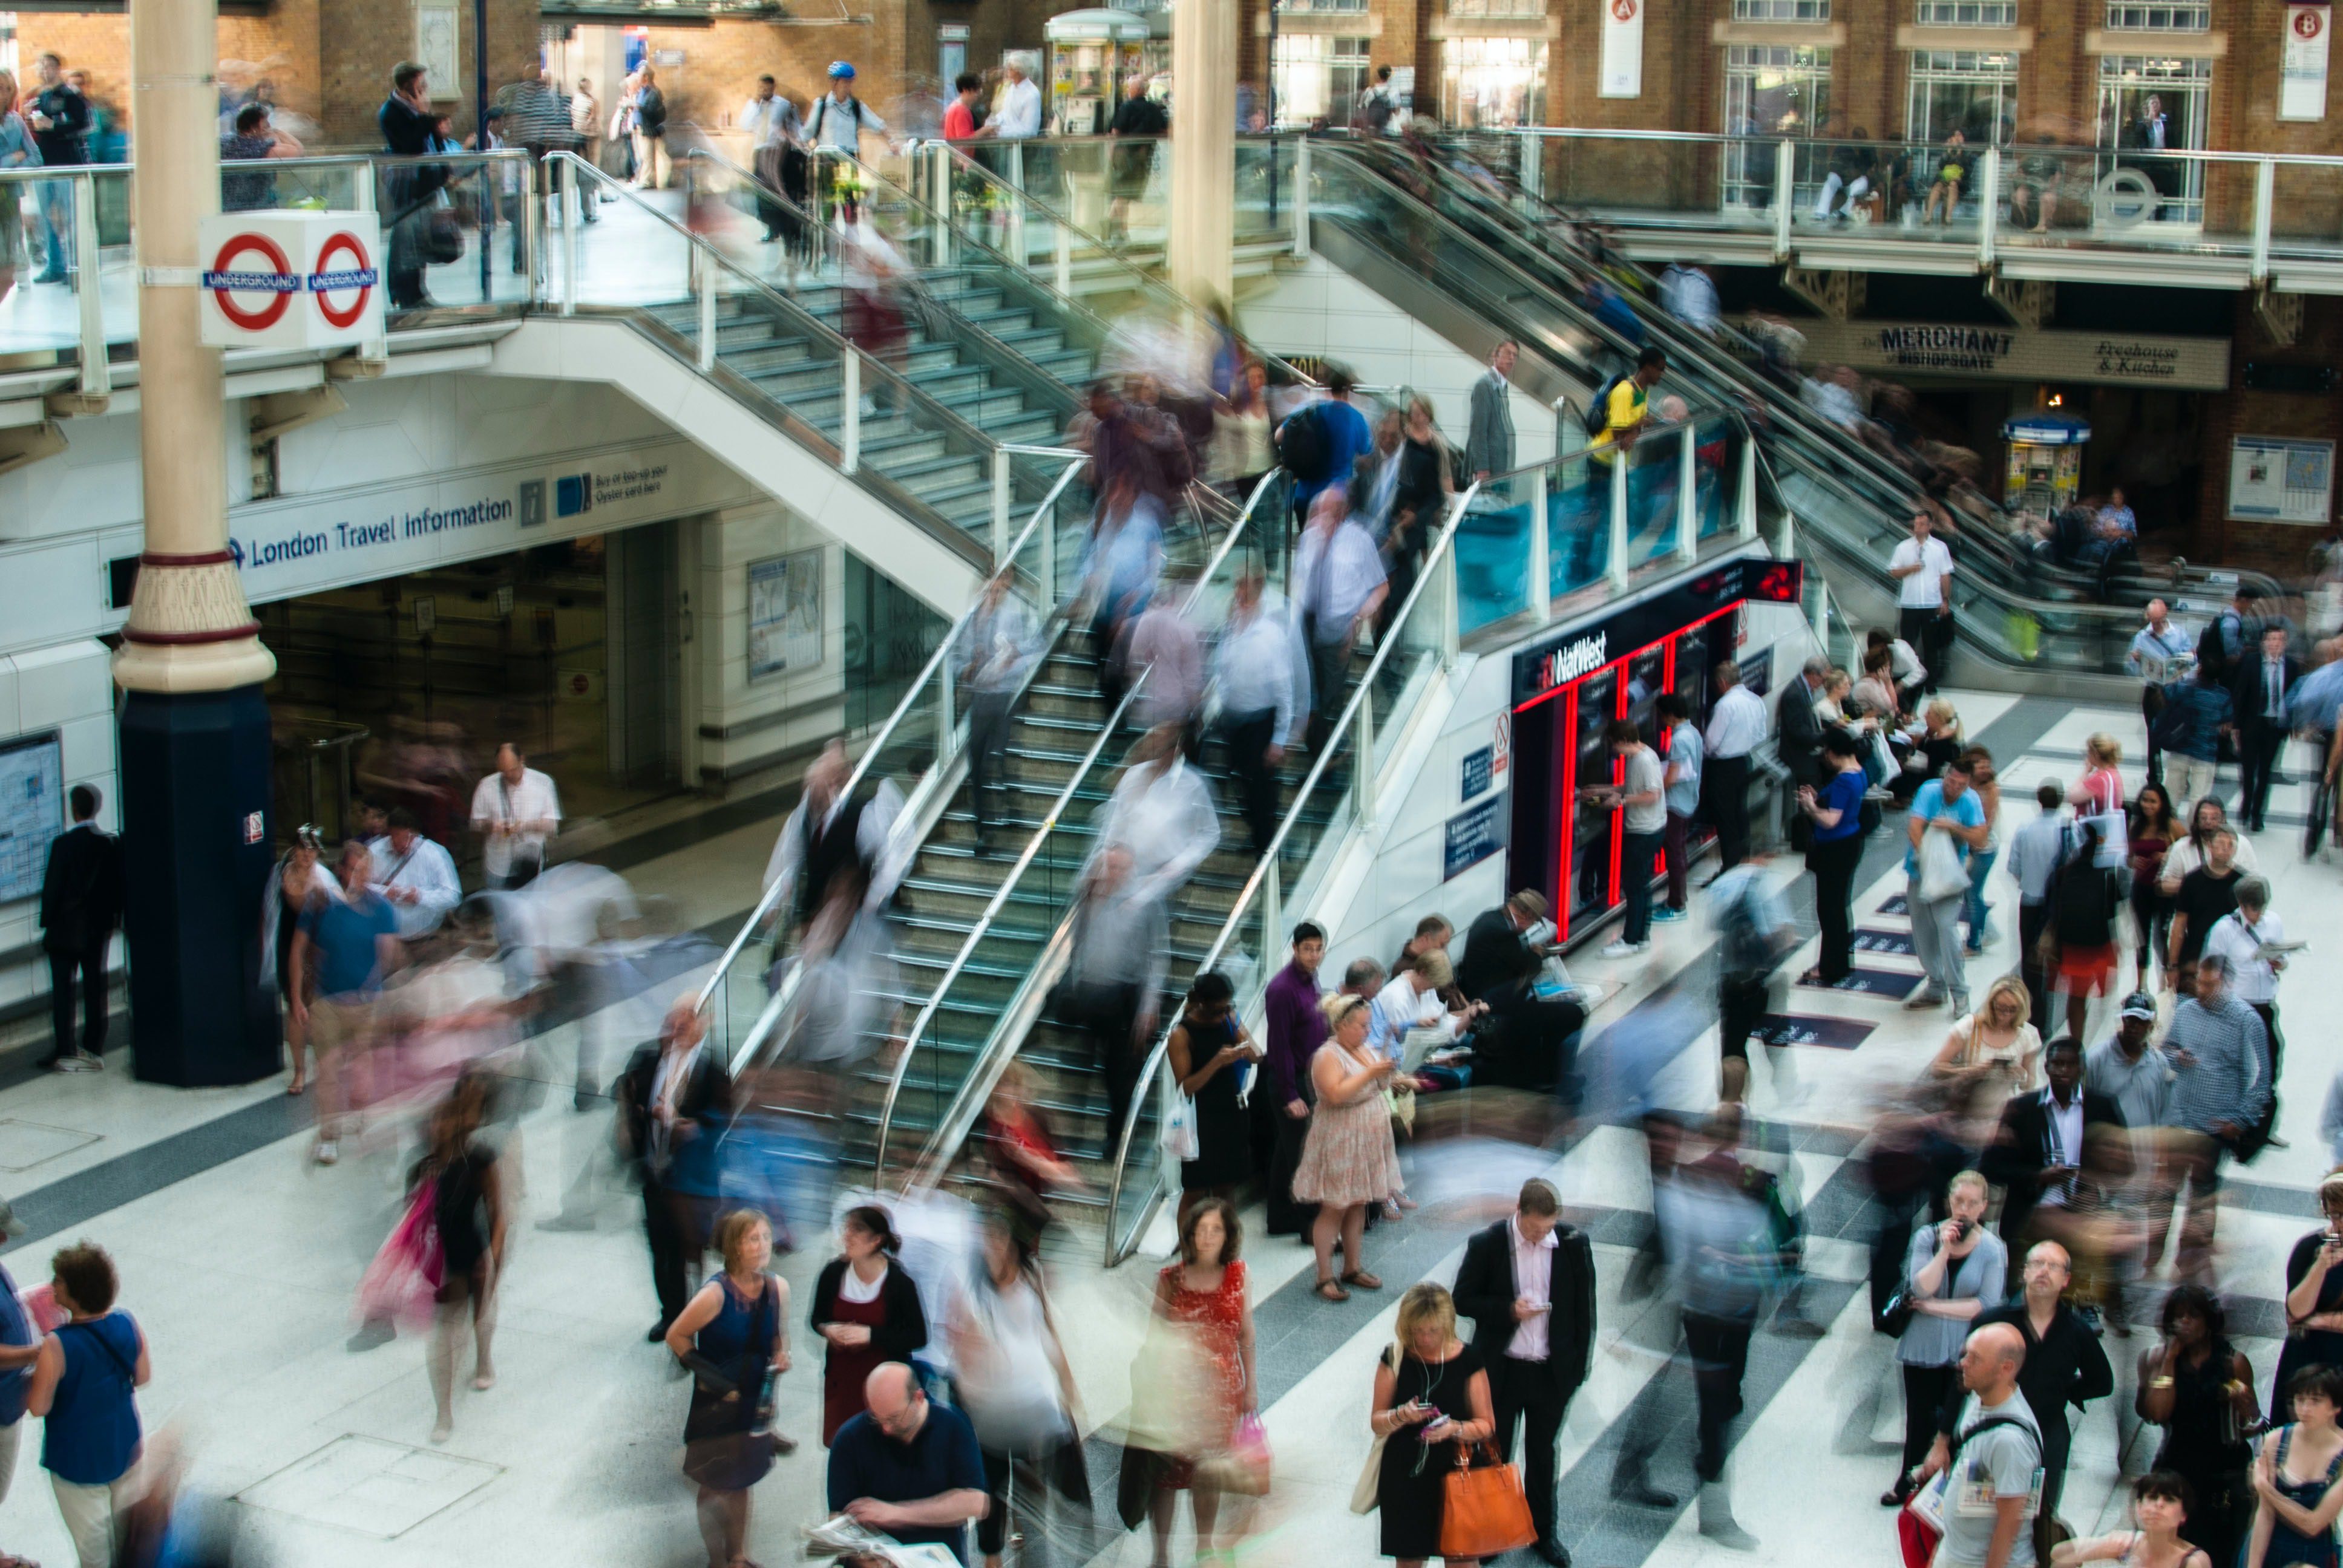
(1597, 417)
(1302, 450)
(2084, 905)
(2175, 724)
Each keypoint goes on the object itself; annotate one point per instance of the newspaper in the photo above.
(839, 1536)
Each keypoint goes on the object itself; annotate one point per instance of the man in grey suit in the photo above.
(1489, 444)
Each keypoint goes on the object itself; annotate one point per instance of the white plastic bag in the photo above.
(1179, 1129)
(1942, 874)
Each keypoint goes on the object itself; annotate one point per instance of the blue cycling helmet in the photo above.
(841, 70)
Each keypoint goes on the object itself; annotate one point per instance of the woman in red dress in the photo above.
(1205, 1291)
(867, 1311)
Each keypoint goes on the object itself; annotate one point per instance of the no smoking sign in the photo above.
(291, 279)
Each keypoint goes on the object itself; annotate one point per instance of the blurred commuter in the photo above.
(85, 1387)
(653, 165)
(1020, 1151)
(827, 834)
(83, 890)
(1986, 780)
(2257, 692)
(1419, 506)
(2207, 895)
(2219, 1052)
(1121, 567)
(416, 875)
(1754, 931)
(2191, 720)
(1737, 723)
(1321, 442)
(997, 651)
(1114, 978)
(298, 877)
(1254, 669)
(2085, 899)
(2151, 827)
(2157, 652)
(673, 1101)
(869, 1312)
(1688, 293)
(2199, 1388)
(1243, 450)
(468, 1212)
(516, 811)
(1349, 1160)
(1431, 1406)
(733, 1337)
(1294, 1027)
(1835, 851)
(1209, 1051)
(2206, 821)
(1161, 812)
(1164, 645)
(1013, 1382)
(1339, 586)
(1528, 1284)
(1953, 1271)
(353, 940)
(1202, 1290)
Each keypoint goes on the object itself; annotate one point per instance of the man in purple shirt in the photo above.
(1281, 1097)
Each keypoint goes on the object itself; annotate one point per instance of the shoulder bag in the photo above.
(1484, 1512)
(1368, 1492)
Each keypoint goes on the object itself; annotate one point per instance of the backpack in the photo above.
(2083, 906)
(1743, 946)
(1597, 417)
(1376, 112)
(1302, 448)
(821, 106)
(2175, 724)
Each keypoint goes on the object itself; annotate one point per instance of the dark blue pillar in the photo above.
(197, 848)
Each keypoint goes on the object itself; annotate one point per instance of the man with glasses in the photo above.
(907, 1468)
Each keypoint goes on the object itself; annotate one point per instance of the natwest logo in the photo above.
(1564, 665)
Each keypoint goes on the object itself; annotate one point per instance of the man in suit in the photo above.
(1528, 1284)
(2257, 688)
(1527, 1040)
(2037, 1151)
(673, 1101)
(81, 903)
(1799, 738)
(1489, 438)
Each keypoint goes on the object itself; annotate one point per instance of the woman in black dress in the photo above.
(1208, 1047)
(732, 1336)
(2200, 1390)
(1431, 1395)
(2313, 1295)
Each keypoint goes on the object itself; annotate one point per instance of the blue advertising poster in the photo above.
(1473, 836)
(32, 811)
(1477, 771)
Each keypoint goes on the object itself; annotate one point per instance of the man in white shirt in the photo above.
(1019, 115)
(1410, 1000)
(1737, 723)
(586, 124)
(417, 875)
(828, 833)
(838, 118)
(1162, 811)
(1339, 585)
(1252, 668)
(997, 649)
(2157, 656)
(515, 811)
(2244, 938)
(1924, 569)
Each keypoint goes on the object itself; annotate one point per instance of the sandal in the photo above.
(1363, 1280)
(1332, 1292)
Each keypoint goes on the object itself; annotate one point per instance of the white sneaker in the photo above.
(327, 1152)
(1623, 949)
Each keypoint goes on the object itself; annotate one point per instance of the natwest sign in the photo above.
(291, 279)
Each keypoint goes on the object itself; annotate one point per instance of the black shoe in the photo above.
(1553, 1551)
(1642, 1494)
(658, 1333)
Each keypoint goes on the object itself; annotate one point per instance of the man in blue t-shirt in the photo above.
(353, 941)
(1946, 805)
(907, 1468)
(20, 1347)
(1342, 433)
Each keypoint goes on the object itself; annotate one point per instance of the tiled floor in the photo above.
(241, 1264)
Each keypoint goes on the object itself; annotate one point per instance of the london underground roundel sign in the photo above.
(355, 278)
(276, 283)
(290, 278)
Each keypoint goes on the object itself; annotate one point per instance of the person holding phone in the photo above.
(1210, 1051)
(2313, 1295)
(1349, 1160)
(1431, 1397)
(1951, 1273)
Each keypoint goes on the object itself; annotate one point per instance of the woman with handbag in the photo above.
(1996, 1048)
(1952, 1272)
(2200, 1388)
(868, 1311)
(1432, 1406)
(1204, 1291)
(1014, 1386)
(733, 1337)
(1349, 1158)
(1208, 1048)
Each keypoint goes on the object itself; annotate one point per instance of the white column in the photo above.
(1204, 149)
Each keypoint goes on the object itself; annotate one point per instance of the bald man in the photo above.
(2065, 1364)
(907, 1468)
(1995, 1457)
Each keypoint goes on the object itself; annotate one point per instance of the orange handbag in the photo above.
(1486, 1512)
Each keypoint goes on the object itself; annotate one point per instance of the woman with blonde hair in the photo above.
(1952, 1272)
(2100, 790)
(734, 1339)
(1996, 1045)
(1430, 1405)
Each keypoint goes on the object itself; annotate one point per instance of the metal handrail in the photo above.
(1116, 1250)
(770, 897)
(1712, 138)
(1050, 821)
(41, 173)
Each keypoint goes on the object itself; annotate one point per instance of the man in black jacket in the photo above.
(81, 903)
(1528, 1285)
(2065, 1364)
(2257, 689)
(673, 1100)
(1798, 739)
(2037, 1151)
(405, 121)
(1528, 1040)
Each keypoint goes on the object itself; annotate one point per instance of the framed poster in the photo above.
(2281, 479)
(784, 614)
(436, 51)
(32, 810)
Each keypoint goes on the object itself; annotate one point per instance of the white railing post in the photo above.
(1273, 912)
(1786, 538)
(938, 160)
(1618, 572)
(1049, 561)
(1362, 755)
(529, 233)
(1016, 176)
(1541, 583)
(1988, 206)
(947, 726)
(363, 197)
(1785, 195)
(1530, 171)
(1000, 507)
(1452, 620)
(2264, 203)
(1688, 496)
(573, 232)
(1300, 197)
(1062, 245)
(850, 410)
(1744, 498)
(96, 376)
(705, 285)
(1562, 417)
(1822, 617)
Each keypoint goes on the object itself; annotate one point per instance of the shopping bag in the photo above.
(1942, 874)
(1244, 1468)
(1180, 1140)
(403, 1281)
(1485, 1511)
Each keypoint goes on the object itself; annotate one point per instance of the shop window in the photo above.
(2151, 103)
(1972, 91)
(1770, 91)
(1499, 8)
(1968, 12)
(1320, 8)
(1781, 10)
(1319, 77)
(1488, 82)
(2160, 16)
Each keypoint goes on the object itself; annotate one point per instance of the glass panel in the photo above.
(1486, 83)
(1655, 487)
(36, 230)
(2306, 209)
(452, 229)
(1716, 470)
(1770, 91)
(1577, 524)
(1493, 552)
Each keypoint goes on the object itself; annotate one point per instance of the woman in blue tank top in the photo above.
(2298, 1478)
(84, 1384)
